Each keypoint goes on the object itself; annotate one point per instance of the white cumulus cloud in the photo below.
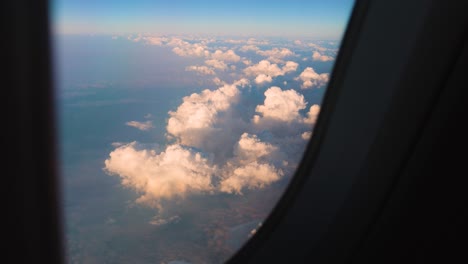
(217, 64)
(250, 148)
(158, 41)
(246, 48)
(311, 79)
(228, 55)
(185, 49)
(253, 175)
(316, 56)
(263, 78)
(265, 70)
(199, 112)
(264, 67)
(276, 54)
(249, 169)
(317, 47)
(226, 139)
(281, 105)
(290, 66)
(175, 172)
(312, 114)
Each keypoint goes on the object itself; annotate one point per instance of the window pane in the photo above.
(182, 122)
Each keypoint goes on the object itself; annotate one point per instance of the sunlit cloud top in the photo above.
(311, 18)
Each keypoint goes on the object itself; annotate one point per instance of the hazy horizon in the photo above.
(311, 18)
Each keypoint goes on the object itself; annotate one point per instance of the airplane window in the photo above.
(182, 122)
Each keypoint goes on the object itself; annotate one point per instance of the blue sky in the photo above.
(323, 19)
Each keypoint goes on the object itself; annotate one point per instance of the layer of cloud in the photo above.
(141, 125)
(228, 139)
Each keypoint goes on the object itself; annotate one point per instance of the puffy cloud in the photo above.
(250, 148)
(264, 67)
(249, 164)
(204, 70)
(263, 78)
(140, 125)
(199, 111)
(246, 48)
(251, 176)
(316, 56)
(248, 168)
(241, 82)
(290, 66)
(220, 65)
(281, 105)
(311, 79)
(265, 71)
(312, 114)
(174, 42)
(175, 172)
(158, 41)
(228, 55)
(179, 171)
(214, 144)
(275, 54)
(184, 48)
(317, 47)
